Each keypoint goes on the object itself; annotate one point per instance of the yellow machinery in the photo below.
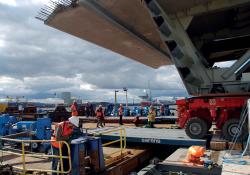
(3, 107)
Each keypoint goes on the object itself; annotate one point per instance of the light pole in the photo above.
(115, 101)
(116, 96)
(126, 90)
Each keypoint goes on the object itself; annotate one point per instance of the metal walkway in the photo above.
(151, 135)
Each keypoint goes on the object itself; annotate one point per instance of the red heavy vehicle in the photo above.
(198, 114)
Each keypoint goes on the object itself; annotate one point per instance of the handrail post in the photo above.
(69, 157)
(60, 155)
(124, 141)
(121, 140)
(23, 157)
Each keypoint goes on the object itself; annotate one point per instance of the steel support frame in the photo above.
(198, 77)
(238, 66)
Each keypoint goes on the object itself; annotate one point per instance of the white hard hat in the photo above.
(74, 121)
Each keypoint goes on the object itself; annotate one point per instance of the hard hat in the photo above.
(197, 151)
(74, 121)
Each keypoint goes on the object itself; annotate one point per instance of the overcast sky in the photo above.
(38, 61)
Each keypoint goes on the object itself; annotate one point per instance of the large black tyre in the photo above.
(230, 128)
(196, 128)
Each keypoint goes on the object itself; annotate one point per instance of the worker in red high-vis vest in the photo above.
(73, 108)
(63, 132)
(120, 113)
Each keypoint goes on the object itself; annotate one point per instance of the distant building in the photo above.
(77, 100)
(66, 96)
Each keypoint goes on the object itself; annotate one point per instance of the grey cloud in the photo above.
(37, 55)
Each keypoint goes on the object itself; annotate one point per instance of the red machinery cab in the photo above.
(197, 115)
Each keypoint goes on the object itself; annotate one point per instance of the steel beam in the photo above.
(189, 62)
(238, 66)
(208, 7)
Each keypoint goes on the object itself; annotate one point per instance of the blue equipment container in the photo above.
(109, 109)
(145, 111)
(24, 126)
(38, 130)
(41, 128)
(136, 111)
(78, 154)
(115, 110)
(6, 121)
(86, 146)
(126, 111)
(95, 151)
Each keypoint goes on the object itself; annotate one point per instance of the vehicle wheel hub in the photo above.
(195, 129)
(233, 129)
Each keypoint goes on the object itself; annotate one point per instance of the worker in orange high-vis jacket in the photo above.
(73, 108)
(100, 117)
(63, 132)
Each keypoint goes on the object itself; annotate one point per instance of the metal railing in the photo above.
(122, 138)
(25, 154)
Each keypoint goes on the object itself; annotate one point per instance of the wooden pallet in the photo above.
(129, 163)
(219, 143)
